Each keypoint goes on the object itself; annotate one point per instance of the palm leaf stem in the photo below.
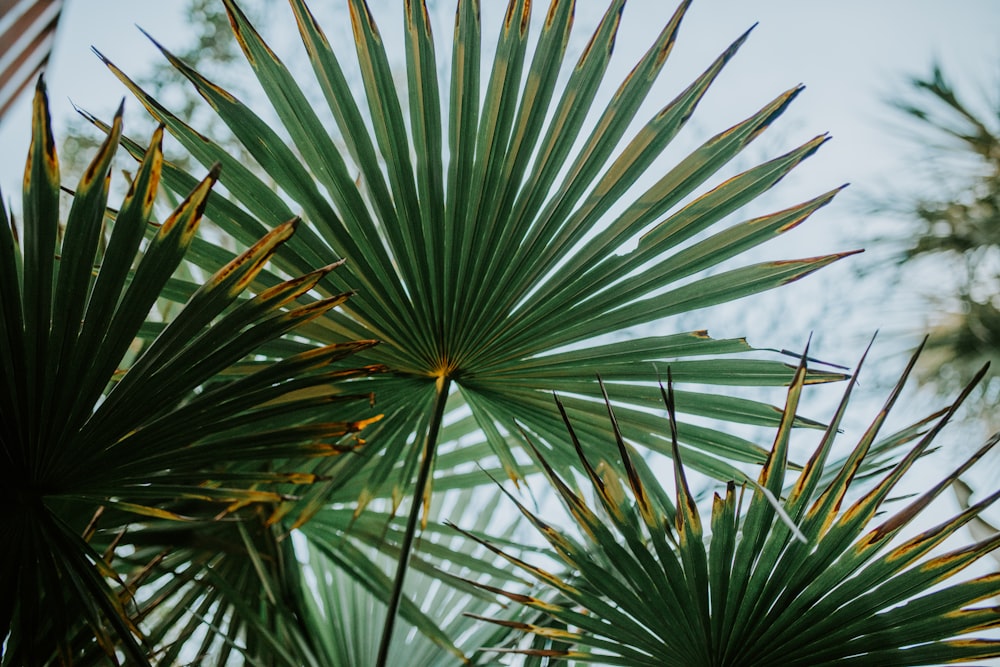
(430, 444)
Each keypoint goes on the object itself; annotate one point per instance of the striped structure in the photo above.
(27, 30)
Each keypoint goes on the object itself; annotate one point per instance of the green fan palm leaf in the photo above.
(491, 233)
(798, 577)
(102, 434)
(458, 277)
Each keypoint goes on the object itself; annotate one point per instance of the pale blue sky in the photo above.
(849, 53)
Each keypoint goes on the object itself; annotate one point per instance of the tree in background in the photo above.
(209, 45)
(951, 243)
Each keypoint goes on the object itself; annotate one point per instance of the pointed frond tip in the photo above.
(498, 232)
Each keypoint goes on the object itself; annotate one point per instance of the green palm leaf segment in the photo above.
(801, 581)
(94, 424)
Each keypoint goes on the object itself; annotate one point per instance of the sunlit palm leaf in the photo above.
(213, 592)
(649, 587)
(222, 592)
(98, 434)
(225, 591)
(476, 258)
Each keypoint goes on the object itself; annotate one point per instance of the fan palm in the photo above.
(501, 246)
(101, 437)
(646, 585)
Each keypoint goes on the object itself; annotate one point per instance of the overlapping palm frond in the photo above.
(228, 593)
(810, 579)
(101, 437)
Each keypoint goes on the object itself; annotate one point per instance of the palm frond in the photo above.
(487, 239)
(796, 578)
(443, 563)
(495, 238)
(101, 435)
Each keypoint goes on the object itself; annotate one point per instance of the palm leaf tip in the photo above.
(851, 594)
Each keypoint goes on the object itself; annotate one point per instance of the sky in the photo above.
(851, 55)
